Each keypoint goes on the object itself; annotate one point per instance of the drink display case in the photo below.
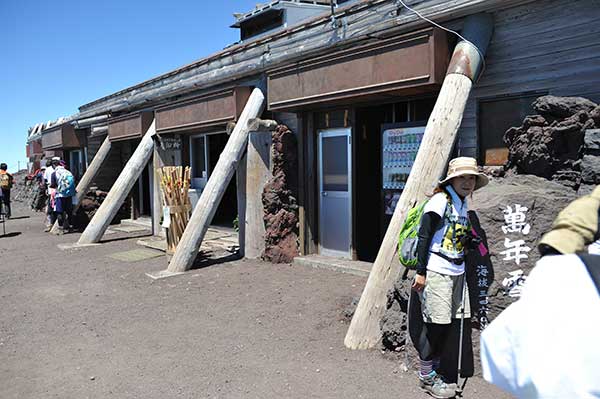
(400, 143)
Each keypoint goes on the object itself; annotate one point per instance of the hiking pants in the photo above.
(6, 202)
(65, 214)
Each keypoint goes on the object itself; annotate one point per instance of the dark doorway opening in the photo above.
(227, 210)
(372, 219)
(368, 179)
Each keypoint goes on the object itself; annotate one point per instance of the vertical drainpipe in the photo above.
(467, 58)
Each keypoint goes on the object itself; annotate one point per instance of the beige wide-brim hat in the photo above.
(463, 166)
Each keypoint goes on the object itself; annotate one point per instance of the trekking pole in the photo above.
(459, 387)
(2, 220)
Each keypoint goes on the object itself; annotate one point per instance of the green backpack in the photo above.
(408, 237)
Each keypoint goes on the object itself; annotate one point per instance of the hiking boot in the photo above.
(436, 386)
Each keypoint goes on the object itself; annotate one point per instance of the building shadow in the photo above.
(8, 235)
(18, 217)
(205, 260)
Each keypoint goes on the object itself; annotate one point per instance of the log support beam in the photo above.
(258, 166)
(120, 189)
(211, 196)
(440, 135)
(88, 177)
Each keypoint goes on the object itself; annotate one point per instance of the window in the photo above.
(261, 23)
(496, 116)
(198, 154)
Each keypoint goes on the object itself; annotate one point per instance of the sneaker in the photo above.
(47, 229)
(436, 386)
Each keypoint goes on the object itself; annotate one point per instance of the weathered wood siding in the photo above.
(547, 46)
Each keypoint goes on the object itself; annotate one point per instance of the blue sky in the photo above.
(58, 55)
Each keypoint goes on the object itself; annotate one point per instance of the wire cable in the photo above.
(424, 18)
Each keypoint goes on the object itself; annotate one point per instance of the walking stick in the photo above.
(2, 220)
(459, 387)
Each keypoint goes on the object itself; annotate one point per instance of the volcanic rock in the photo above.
(279, 200)
(562, 107)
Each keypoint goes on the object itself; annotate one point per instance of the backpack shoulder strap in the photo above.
(592, 264)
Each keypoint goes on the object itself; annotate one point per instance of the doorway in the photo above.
(205, 150)
(76, 164)
(335, 188)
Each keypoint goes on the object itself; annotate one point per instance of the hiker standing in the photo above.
(6, 183)
(545, 344)
(440, 277)
(64, 182)
(50, 191)
(40, 199)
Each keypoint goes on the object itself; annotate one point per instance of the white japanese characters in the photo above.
(515, 220)
(515, 250)
(515, 223)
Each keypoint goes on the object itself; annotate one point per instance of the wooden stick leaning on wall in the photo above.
(440, 135)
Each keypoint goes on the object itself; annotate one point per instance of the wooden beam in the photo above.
(120, 189)
(438, 141)
(241, 181)
(258, 173)
(89, 175)
(157, 205)
(211, 196)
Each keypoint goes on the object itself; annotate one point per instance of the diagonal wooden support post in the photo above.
(113, 201)
(440, 135)
(205, 209)
(88, 177)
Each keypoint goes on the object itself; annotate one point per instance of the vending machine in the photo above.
(399, 145)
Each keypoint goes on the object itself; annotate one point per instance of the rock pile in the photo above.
(279, 200)
(92, 201)
(561, 142)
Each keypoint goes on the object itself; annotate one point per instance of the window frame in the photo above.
(488, 99)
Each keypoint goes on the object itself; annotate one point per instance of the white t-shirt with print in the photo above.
(454, 224)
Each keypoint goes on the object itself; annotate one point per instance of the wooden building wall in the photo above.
(548, 46)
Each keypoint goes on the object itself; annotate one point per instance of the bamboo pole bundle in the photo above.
(174, 187)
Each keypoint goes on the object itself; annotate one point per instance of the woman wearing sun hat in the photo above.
(440, 279)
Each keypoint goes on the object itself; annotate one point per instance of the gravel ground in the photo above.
(78, 324)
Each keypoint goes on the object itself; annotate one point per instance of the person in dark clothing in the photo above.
(6, 183)
(440, 277)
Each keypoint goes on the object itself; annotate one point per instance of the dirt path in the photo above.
(79, 324)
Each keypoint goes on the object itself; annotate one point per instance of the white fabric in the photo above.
(48, 174)
(594, 248)
(441, 241)
(546, 344)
